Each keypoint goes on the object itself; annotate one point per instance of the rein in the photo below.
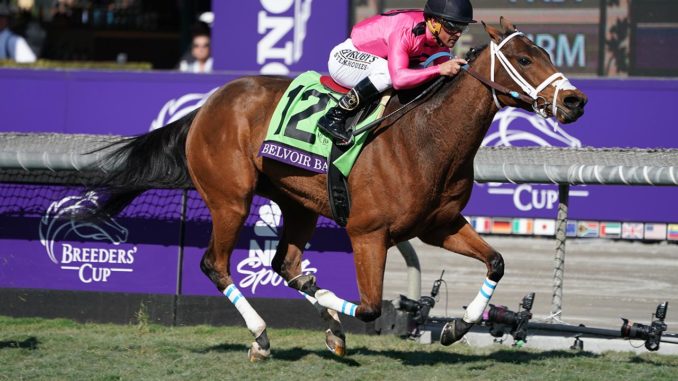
(435, 85)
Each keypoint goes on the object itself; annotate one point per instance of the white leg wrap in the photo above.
(327, 299)
(254, 322)
(329, 315)
(474, 311)
(313, 301)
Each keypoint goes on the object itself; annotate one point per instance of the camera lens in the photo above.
(408, 305)
(635, 330)
(501, 315)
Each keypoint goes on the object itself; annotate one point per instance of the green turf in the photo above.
(43, 349)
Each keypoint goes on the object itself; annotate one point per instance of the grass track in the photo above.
(42, 349)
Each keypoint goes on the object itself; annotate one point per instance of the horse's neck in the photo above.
(456, 121)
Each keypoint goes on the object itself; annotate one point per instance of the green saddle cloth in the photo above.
(293, 136)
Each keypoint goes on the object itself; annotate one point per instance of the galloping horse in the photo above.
(412, 180)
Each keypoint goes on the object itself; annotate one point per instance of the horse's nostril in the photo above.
(573, 101)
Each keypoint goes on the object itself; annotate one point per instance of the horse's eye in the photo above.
(524, 61)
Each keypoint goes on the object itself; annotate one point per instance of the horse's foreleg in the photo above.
(216, 265)
(299, 225)
(460, 237)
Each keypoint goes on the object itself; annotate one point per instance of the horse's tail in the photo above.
(156, 159)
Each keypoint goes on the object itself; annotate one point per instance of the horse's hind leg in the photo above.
(460, 237)
(299, 224)
(370, 259)
(215, 263)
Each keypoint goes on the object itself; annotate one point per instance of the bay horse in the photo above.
(413, 179)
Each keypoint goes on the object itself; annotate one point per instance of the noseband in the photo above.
(558, 80)
(531, 96)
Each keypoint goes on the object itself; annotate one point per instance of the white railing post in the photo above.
(559, 266)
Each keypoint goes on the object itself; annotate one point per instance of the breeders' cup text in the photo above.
(95, 264)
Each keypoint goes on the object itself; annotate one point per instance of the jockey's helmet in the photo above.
(451, 12)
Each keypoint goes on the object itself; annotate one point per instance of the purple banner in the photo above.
(88, 266)
(277, 36)
(92, 102)
(253, 275)
(136, 251)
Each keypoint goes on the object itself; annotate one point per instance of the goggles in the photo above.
(453, 27)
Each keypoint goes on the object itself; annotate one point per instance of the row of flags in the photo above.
(574, 228)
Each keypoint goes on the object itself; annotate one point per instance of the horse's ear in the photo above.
(494, 33)
(507, 25)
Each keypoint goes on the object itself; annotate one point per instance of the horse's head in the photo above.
(520, 65)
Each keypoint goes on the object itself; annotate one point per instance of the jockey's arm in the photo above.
(402, 76)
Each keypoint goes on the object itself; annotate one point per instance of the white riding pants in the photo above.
(348, 66)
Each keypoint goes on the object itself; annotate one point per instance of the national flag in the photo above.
(632, 230)
(544, 227)
(655, 231)
(481, 224)
(523, 226)
(501, 226)
(588, 229)
(571, 229)
(610, 230)
(672, 232)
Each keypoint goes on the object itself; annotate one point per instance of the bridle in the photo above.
(531, 94)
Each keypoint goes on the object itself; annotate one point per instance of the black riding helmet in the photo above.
(456, 11)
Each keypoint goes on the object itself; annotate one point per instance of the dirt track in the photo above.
(603, 279)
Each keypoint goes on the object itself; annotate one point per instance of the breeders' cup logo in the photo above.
(515, 127)
(92, 264)
(177, 108)
(256, 268)
(274, 23)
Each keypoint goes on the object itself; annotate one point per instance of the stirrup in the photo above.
(328, 124)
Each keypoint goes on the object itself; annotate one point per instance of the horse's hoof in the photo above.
(256, 353)
(335, 343)
(453, 331)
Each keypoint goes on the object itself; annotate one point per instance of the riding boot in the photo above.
(334, 121)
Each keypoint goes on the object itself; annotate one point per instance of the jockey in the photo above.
(382, 51)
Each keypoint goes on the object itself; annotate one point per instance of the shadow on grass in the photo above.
(641, 360)
(444, 357)
(30, 343)
(290, 354)
(413, 358)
